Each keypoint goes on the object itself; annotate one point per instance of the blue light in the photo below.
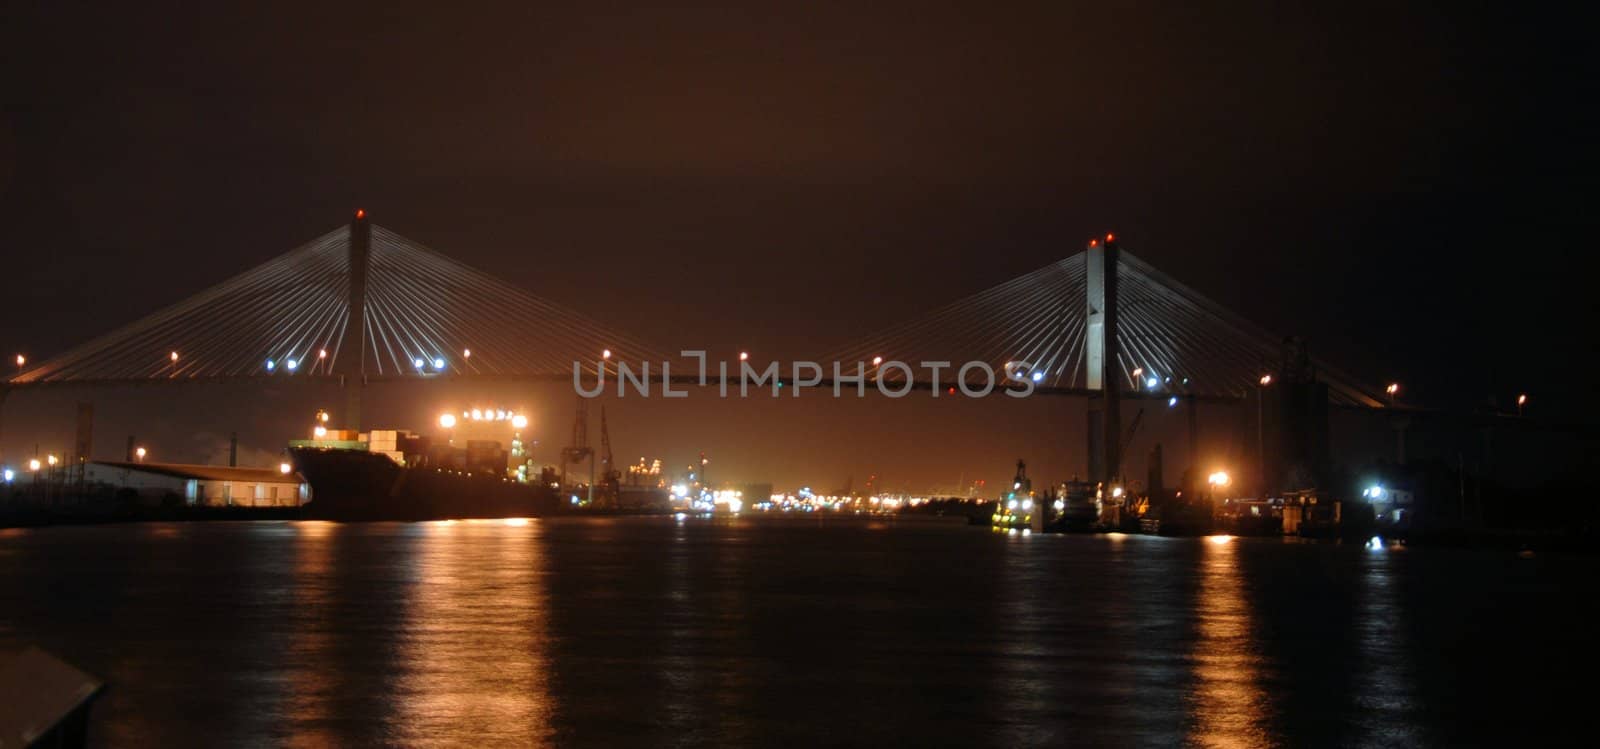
(1037, 376)
(291, 364)
(438, 363)
(9, 475)
(1152, 383)
(1172, 402)
(271, 365)
(419, 362)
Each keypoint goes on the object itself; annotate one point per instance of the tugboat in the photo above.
(1017, 509)
(401, 475)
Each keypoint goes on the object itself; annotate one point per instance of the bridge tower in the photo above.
(1102, 372)
(352, 360)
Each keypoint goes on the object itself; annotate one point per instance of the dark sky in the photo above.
(1409, 186)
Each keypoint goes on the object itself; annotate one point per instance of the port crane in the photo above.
(578, 448)
(1127, 441)
(610, 477)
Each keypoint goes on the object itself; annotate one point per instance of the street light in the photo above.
(21, 360)
(1261, 435)
(1393, 390)
(33, 465)
(447, 420)
(139, 453)
(285, 468)
(52, 459)
(1522, 400)
(1219, 479)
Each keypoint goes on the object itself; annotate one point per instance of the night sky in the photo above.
(1409, 187)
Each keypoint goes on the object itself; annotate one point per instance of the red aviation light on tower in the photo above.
(1110, 238)
(361, 214)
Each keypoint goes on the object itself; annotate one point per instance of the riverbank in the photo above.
(33, 516)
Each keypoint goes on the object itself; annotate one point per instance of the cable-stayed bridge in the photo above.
(363, 304)
(1048, 326)
(359, 301)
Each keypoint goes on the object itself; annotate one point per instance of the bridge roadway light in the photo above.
(291, 364)
(271, 365)
(419, 363)
(447, 420)
(438, 362)
(519, 421)
(466, 353)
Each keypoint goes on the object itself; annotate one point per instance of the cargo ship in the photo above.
(401, 475)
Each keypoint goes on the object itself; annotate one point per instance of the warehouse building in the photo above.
(204, 485)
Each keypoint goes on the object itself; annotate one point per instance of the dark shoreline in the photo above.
(1484, 539)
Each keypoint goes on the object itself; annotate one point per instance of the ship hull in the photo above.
(357, 485)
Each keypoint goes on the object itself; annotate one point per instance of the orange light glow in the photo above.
(360, 214)
(1111, 238)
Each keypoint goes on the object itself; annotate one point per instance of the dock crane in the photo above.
(610, 477)
(578, 449)
(1127, 441)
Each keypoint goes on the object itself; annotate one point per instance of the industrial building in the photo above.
(203, 485)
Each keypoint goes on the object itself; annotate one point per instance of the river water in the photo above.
(796, 631)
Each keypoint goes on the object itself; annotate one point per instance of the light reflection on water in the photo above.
(1229, 705)
(472, 647)
(812, 632)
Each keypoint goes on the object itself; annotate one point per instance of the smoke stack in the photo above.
(130, 456)
(233, 450)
